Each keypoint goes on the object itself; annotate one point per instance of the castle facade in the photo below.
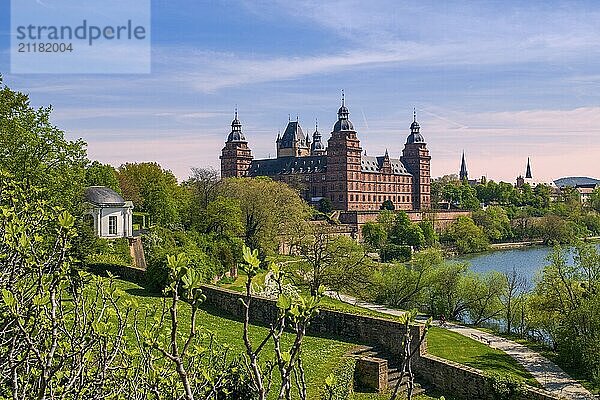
(340, 171)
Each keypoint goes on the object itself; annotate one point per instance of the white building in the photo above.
(112, 215)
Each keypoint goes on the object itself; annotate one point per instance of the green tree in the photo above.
(468, 237)
(336, 262)
(271, 210)
(437, 188)
(558, 230)
(152, 190)
(374, 235)
(594, 200)
(224, 217)
(403, 285)
(98, 174)
(387, 205)
(566, 305)
(57, 339)
(325, 205)
(37, 153)
(495, 223)
(429, 234)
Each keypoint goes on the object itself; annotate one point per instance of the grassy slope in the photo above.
(455, 347)
(547, 352)
(441, 342)
(320, 356)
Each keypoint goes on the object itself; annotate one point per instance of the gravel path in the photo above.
(548, 374)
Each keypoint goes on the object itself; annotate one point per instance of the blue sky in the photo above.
(501, 80)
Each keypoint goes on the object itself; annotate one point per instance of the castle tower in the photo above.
(293, 143)
(236, 156)
(317, 147)
(464, 174)
(343, 163)
(417, 160)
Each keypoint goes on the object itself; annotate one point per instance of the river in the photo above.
(528, 261)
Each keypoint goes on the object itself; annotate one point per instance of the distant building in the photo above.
(111, 214)
(340, 171)
(584, 185)
(464, 173)
(528, 179)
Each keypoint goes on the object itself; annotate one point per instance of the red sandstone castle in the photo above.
(341, 172)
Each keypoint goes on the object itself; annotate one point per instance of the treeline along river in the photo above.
(527, 261)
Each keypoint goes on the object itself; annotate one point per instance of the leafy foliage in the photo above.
(37, 153)
(269, 209)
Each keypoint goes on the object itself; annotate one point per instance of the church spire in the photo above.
(528, 172)
(464, 175)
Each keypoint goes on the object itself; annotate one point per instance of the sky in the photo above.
(500, 80)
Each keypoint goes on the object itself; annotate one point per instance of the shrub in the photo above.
(113, 252)
(395, 252)
(503, 387)
(209, 255)
(340, 383)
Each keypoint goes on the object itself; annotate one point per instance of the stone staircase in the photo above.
(377, 371)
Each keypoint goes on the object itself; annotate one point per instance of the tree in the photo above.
(402, 285)
(494, 221)
(61, 330)
(387, 205)
(404, 232)
(374, 235)
(594, 200)
(204, 184)
(98, 174)
(482, 295)
(437, 187)
(515, 285)
(325, 205)
(429, 233)
(294, 313)
(557, 230)
(447, 293)
(566, 306)
(37, 152)
(336, 262)
(152, 190)
(224, 217)
(270, 210)
(468, 237)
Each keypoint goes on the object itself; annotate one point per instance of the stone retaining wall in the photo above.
(464, 382)
(458, 380)
(383, 333)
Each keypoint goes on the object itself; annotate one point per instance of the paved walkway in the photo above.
(548, 374)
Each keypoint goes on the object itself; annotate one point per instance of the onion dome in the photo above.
(343, 123)
(415, 134)
(236, 134)
(317, 147)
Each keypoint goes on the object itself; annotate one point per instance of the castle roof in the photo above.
(343, 123)
(415, 131)
(374, 164)
(288, 165)
(236, 134)
(293, 134)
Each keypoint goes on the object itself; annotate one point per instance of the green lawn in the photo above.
(320, 356)
(458, 348)
(239, 285)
